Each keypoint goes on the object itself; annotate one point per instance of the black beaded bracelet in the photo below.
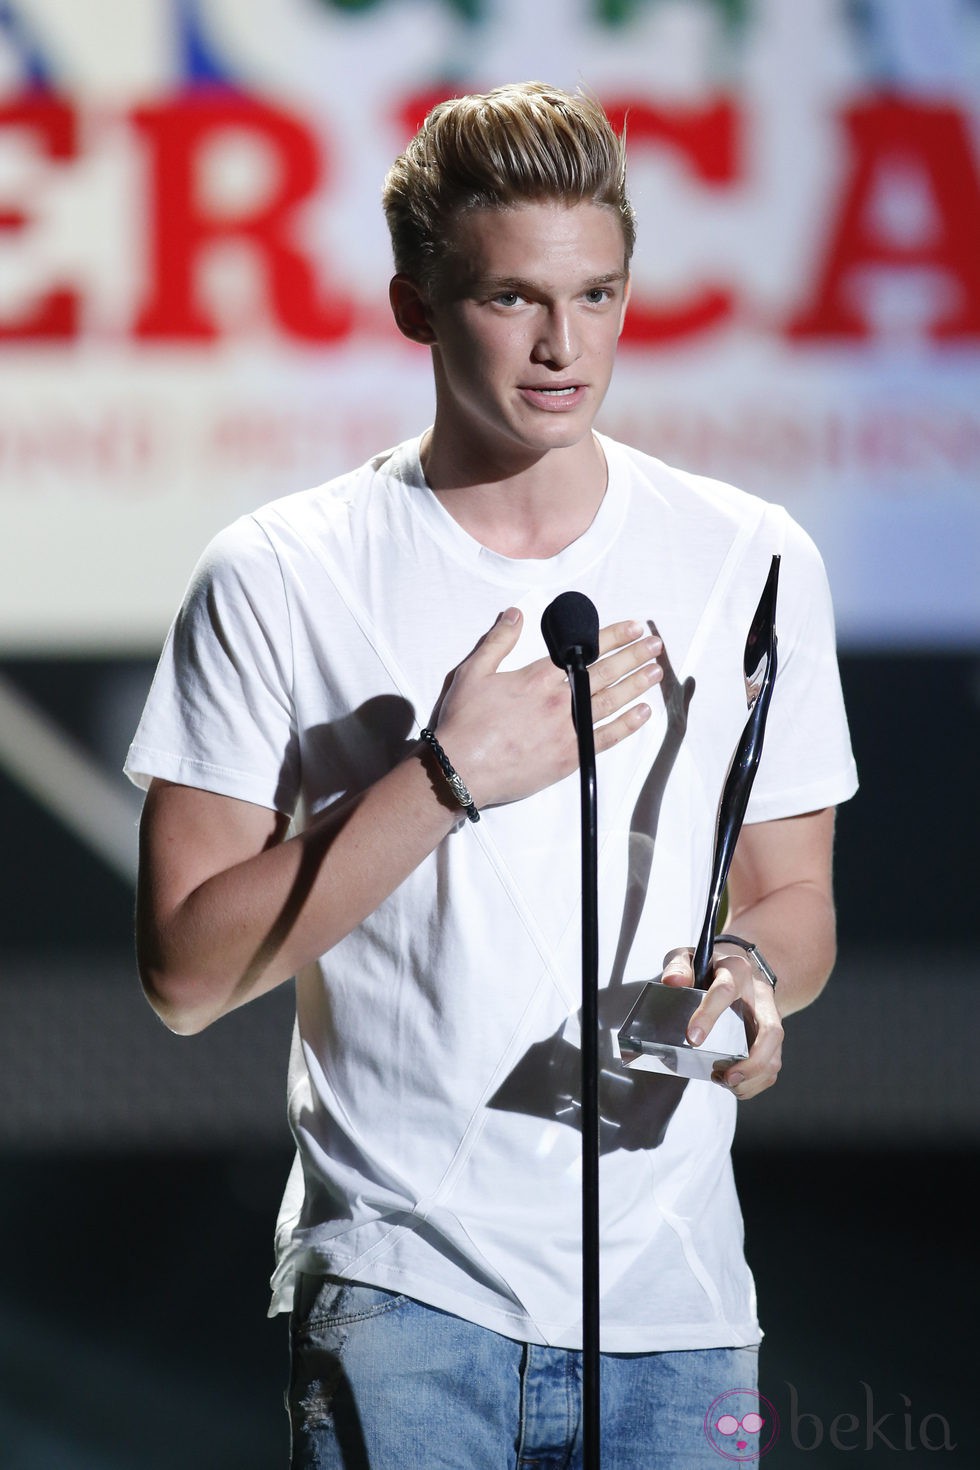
(456, 784)
(754, 953)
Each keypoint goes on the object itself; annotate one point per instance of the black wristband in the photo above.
(754, 953)
(455, 781)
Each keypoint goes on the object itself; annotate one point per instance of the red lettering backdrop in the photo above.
(193, 275)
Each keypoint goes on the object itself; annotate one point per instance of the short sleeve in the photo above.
(220, 713)
(807, 762)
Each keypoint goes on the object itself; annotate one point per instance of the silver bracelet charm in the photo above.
(454, 780)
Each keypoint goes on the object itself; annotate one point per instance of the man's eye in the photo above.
(598, 295)
(507, 298)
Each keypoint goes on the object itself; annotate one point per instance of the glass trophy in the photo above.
(653, 1037)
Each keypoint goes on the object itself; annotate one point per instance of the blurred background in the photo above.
(193, 320)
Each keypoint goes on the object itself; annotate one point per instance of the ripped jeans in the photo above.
(381, 1382)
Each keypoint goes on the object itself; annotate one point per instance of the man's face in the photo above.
(525, 326)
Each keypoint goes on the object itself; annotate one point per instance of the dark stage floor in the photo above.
(127, 1344)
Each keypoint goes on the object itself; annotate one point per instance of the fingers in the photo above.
(619, 679)
(618, 635)
(735, 983)
(614, 731)
(624, 651)
(722, 993)
(761, 1068)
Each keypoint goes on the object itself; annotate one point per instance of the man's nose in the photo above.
(557, 344)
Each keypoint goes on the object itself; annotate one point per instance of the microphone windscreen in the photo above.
(571, 623)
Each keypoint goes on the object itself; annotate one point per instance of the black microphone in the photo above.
(570, 626)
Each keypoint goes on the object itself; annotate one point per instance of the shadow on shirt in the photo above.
(634, 1107)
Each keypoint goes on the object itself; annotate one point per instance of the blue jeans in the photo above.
(381, 1382)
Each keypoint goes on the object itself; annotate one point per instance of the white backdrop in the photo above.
(193, 269)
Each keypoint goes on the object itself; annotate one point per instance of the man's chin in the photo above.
(565, 431)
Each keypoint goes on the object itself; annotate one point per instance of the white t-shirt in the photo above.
(434, 1072)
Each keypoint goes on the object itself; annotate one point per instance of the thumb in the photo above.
(498, 642)
(678, 968)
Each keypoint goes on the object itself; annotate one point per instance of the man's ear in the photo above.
(410, 310)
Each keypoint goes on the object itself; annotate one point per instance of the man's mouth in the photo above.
(559, 395)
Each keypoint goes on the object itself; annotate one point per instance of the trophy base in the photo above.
(653, 1038)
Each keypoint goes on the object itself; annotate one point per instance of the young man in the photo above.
(429, 1244)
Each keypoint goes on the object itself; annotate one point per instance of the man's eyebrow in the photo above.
(610, 278)
(521, 286)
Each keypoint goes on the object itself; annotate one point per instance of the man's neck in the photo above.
(524, 509)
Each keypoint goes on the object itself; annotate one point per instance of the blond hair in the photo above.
(517, 144)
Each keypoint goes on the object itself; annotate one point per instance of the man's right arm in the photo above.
(228, 908)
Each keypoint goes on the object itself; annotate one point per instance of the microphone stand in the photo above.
(570, 626)
(578, 678)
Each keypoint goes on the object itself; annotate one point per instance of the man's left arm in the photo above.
(780, 897)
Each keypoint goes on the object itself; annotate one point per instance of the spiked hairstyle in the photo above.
(518, 144)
